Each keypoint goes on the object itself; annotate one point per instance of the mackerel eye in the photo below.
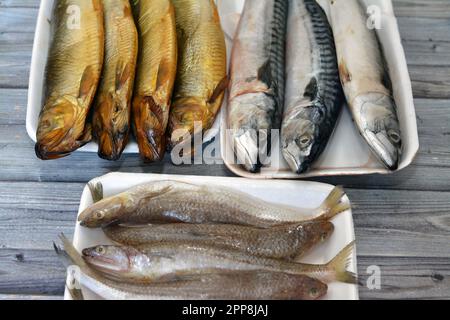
(394, 136)
(100, 250)
(305, 141)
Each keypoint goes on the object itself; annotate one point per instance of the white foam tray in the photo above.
(293, 193)
(347, 153)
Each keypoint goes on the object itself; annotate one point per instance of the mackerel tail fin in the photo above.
(339, 265)
(333, 205)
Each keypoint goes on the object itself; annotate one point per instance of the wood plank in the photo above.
(13, 106)
(18, 155)
(19, 4)
(388, 222)
(37, 272)
(17, 297)
(31, 272)
(421, 8)
(407, 278)
(18, 20)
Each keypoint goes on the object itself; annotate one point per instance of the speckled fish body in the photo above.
(168, 260)
(366, 82)
(286, 241)
(240, 285)
(155, 75)
(314, 96)
(175, 201)
(72, 76)
(257, 79)
(112, 106)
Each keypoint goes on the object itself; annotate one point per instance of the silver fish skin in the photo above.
(170, 201)
(260, 285)
(257, 79)
(281, 242)
(166, 261)
(314, 95)
(365, 79)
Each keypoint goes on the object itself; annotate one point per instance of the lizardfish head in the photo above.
(112, 260)
(380, 127)
(104, 212)
(298, 142)
(61, 129)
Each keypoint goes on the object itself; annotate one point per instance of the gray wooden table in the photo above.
(402, 221)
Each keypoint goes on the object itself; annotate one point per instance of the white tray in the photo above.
(347, 153)
(42, 40)
(294, 193)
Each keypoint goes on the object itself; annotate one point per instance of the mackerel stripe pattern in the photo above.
(329, 92)
(277, 55)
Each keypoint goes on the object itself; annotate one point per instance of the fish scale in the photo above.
(112, 106)
(72, 76)
(314, 94)
(155, 75)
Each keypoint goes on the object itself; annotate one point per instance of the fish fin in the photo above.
(219, 90)
(69, 254)
(96, 191)
(76, 294)
(87, 83)
(265, 73)
(163, 191)
(123, 74)
(311, 89)
(338, 266)
(164, 73)
(346, 76)
(86, 137)
(333, 205)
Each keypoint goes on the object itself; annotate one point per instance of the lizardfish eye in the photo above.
(323, 237)
(313, 293)
(100, 250)
(100, 215)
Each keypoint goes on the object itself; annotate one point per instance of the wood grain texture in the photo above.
(402, 221)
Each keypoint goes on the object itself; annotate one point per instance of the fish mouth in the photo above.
(111, 146)
(246, 148)
(383, 148)
(152, 146)
(43, 154)
(297, 163)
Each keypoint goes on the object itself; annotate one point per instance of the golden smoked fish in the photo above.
(112, 106)
(155, 75)
(72, 76)
(202, 69)
(174, 201)
(285, 241)
(231, 285)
